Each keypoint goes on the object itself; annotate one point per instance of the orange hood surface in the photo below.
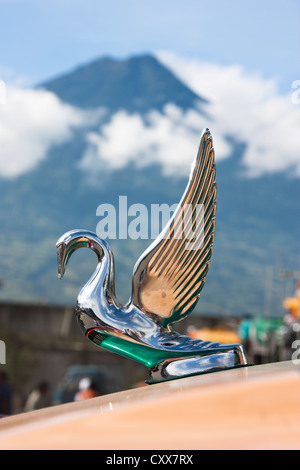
(256, 407)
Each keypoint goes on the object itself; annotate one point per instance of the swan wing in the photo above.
(170, 274)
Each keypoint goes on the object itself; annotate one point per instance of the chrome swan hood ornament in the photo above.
(166, 285)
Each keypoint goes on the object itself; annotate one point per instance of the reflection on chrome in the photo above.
(166, 284)
(172, 369)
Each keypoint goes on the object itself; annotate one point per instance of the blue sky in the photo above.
(40, 39)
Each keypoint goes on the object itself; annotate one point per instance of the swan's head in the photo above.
(71, 241)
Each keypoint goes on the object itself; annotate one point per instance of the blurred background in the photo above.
(105, 99)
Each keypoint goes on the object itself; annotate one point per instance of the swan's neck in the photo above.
(101, 285)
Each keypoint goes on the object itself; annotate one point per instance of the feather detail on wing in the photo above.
(169, 276)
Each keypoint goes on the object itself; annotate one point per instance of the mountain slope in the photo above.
(136, 84)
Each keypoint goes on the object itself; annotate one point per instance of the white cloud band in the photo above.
(170, 138)
(249, 108)
(246, 107)
(31, 121)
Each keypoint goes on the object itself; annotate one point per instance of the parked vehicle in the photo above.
(103, 380)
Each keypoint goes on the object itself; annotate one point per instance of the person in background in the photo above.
(244, 331)
(87, 389)
(5, 396)
(38, 398)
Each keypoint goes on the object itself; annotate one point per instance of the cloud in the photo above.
(31, 121)
(249, 108)
(246, 107)
(170, 138)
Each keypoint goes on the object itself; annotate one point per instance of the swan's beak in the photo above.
(70, 242)
(61, 253)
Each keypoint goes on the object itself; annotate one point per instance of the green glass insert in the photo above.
(149, 357)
